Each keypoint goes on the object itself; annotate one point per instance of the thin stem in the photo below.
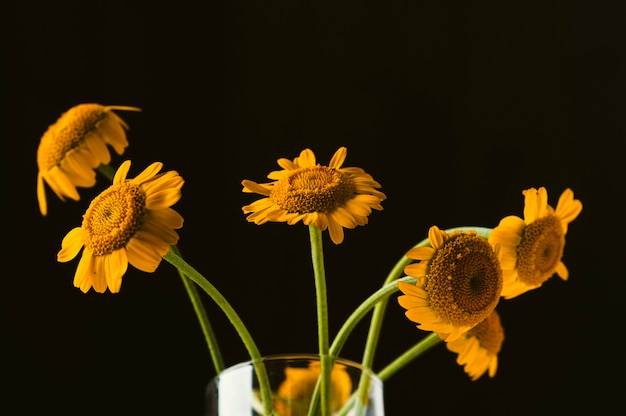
(211, 340)
(350, 323)
(107, 171)
(359, 313)
(317, 258)
(205, 324)
(234, 319)
(360, 398)
(373, 334)
(409, 355)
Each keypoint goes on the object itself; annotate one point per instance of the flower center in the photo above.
(464, 281)
(540, 250)
(489, 333)
(113, 217)
(67, 133)
(314, 189)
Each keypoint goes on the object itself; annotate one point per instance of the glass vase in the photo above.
(293, 384)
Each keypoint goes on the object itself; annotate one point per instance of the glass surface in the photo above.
(293, 380)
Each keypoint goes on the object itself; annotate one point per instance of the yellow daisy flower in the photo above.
(328, 196)
(294, 394)
(459, 283)
(130, 222)
(74, 146)
(478, 348)
(531, 249)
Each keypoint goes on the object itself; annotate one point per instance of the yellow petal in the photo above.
(122, 171)
(436, 237)
(84, 272)
(338, 158)
(115, 266)
(99, 278)
(148, 173)
(41, 195)
(71, 245)
(336, 232)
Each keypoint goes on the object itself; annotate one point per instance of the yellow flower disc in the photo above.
(113, 218)
(540, 250)
(489, 333)
(68, 132)
(465, 280)
(313, 189)
(478, 348)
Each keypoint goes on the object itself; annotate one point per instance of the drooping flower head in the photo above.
(74, 146)
(531, 249)
(328, 196)
(129, 222)
(459, 283)
(478, 348)
(295, 392)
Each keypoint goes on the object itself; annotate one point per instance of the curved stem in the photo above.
(379, 311)
(211, 340)
(234, 319)
(205, 324)
(317, 257)
(409, 355)
(362, 310)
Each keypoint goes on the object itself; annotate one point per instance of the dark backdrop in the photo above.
(453, 108)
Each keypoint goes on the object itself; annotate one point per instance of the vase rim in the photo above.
(303, 356)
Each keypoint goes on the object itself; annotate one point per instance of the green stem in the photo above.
(409, 355)
(376, 325)
(211, 340)
(317, 258)
(203, 318)
(350, 323)
(359, 313)
(107, 171)
(234, 319)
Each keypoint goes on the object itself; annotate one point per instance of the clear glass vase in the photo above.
(293, 383)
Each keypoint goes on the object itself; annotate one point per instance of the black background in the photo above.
(454, 108)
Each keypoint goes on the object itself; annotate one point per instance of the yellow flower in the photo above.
(478, 348)
(531, 249)
(328, 196)
(130, 222)
(459, 283)
(74, 146)
(294, 394)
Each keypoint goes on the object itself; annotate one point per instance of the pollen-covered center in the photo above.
(315, 189)
(540, 250)
(113, 218)
(67, 133)
(464, 280)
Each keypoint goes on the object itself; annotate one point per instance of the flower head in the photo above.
(460, 281)
(478, 348)
(74, 146)
(295, 392)
(328, 196)
(531, 249)
(129, 222)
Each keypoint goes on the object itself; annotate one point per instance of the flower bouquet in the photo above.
(449, 283)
